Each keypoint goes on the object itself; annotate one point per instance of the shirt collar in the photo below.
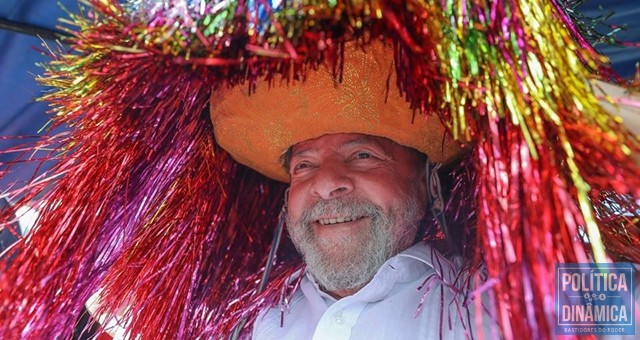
(406, 266)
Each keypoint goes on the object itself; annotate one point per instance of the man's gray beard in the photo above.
(351, 261)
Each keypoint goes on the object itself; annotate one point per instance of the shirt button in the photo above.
(337, 317)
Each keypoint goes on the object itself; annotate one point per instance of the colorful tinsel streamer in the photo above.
(144, 205)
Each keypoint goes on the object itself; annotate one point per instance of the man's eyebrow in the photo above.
(291, 152)
(350, 144)
(303, 152)
(360, 141)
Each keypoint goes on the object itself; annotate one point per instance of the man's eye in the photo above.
(362, 155)
(301, 166)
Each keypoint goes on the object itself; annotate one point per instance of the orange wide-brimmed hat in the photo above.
(257, 128)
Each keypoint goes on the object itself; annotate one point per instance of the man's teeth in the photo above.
(325, 221)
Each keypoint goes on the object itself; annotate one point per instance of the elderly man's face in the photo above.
(354, 201)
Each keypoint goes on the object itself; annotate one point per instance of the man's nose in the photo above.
(332, 180)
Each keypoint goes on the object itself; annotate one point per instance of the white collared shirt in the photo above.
(386, 308)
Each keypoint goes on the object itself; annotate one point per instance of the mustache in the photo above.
(347, 207)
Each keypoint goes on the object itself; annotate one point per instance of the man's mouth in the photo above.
(336, 220)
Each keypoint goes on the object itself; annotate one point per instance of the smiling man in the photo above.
(359, 202)
(355, 205)
(354, 202)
